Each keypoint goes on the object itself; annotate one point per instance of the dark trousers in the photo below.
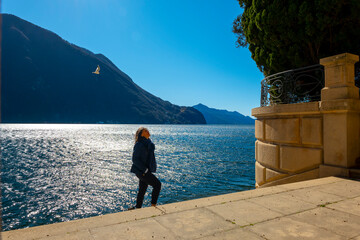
(145, 181)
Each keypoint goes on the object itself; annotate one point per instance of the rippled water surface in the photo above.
(59, 172)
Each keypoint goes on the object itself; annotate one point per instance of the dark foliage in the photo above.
(283, 35)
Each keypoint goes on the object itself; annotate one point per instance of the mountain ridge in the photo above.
(46, 79)
(220, 116)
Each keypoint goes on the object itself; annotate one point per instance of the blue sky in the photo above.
(181, 51)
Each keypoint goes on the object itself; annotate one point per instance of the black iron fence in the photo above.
(293, 86)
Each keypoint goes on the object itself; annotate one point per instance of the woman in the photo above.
(144, 164)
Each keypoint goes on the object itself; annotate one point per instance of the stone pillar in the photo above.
(339, 77)
(340, 106)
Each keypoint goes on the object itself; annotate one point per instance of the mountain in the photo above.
(215, 116)
(46, 79)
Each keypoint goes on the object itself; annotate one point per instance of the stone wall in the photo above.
(289, 142)
(304, 141)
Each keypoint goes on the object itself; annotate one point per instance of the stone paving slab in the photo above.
(195, 223)
(350, 205)
(311, 195)
(356, 238)
(81, 224)
(243, 212)
(238, 233)
(204, 202)
(282, 203)
(327, 208)
(77, 235)
(143, 230)
(341, 223)
(288, 229)
(312, 183)
(345, 188)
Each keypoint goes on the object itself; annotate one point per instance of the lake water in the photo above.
(60, 172)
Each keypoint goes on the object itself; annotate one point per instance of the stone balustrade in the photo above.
(304, 141)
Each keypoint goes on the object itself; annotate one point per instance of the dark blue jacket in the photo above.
(143, 157)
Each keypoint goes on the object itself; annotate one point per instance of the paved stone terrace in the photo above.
(327, 208)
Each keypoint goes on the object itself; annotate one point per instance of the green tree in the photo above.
(284, 34)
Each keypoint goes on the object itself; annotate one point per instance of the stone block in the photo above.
(311, 131)
(282, 130)
(341, 139)
(353, 139)
(346, 92)
(268, 154)
(327, 171)
(312, 182)
(340, 105)
(272, 175)
(335, 138)
(295, 159)
(259, 129)
(259, 173)
(256, 150)
(335, 76)
(296, 178)
(339, 69)
(286, 109)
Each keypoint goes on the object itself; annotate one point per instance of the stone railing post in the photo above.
(340, 107)
(339, 77)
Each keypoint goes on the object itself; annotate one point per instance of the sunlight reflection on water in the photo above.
(60, 172)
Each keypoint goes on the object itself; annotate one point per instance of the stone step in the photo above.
(354, 173)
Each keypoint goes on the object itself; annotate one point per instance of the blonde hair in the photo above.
(139, 132)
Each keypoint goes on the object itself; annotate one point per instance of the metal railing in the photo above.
(293, 86)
